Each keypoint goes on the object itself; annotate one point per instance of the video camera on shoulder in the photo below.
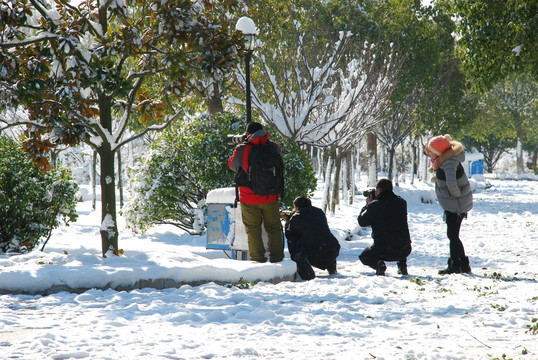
(367, 193)
(232, 139)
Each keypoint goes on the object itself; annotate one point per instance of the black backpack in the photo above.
(266, 170)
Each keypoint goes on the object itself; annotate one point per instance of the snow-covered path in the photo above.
(353, 315)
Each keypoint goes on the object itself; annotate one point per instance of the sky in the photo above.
(352, 315)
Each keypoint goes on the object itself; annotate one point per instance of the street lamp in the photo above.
(248, 28)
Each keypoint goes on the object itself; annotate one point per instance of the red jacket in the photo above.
(239, 162)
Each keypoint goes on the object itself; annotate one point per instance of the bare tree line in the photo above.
(332, 110)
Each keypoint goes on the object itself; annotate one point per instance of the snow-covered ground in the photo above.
(353, 315)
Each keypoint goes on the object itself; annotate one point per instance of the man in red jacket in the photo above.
(257, 209)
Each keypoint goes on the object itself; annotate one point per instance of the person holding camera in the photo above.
(454, 195)
(259, 192)
(310, 241)
(386, 213)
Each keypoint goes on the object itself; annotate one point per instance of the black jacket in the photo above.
(308, 232)
(388, 217)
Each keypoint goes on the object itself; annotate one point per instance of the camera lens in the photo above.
(235, 139)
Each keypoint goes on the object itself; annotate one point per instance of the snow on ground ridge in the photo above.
(354, 315)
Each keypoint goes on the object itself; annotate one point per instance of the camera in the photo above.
(367, 193)
(286, 215)
(235, 139)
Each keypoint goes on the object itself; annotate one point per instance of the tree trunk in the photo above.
(519, 150)
(391, 163)
(382, 159)
(327, 186)
(423, 164)
(357, 164)
(120, 181)
(350, 180)
(394, 167)
(335, 199)
(344, 181)
(316, 159)
(53, 158)
(425, 169)
(93, 176)
(413, 167)
(322, 156)
(214, 104)
(403, 160)
(372, 159)
(109, 225)
(535, 160)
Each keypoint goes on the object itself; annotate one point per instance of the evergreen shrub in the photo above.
(170, 184)
(32, 204)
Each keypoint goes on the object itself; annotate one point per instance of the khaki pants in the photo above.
(253, 217)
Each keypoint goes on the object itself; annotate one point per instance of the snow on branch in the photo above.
(318, 102)
(31, 40)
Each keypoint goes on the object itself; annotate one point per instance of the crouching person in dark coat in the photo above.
(387, 214)
(310, 241)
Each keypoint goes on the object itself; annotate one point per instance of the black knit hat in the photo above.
(253, 126)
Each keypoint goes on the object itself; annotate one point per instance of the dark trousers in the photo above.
(453, 226)
(324, 258)
(373, 254)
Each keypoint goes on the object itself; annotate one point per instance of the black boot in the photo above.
(402, 267)
(454, 267)
(381, 267)
(332, 269)
(465, 267)
(303, 267)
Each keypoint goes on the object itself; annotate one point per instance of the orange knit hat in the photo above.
(438, 145)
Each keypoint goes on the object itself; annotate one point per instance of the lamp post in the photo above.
(248, 28)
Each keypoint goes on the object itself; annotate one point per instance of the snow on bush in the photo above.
(170, 184)
(31, 204)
